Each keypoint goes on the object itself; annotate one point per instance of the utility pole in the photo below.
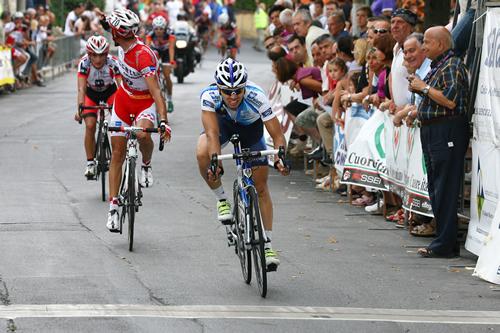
(355, 5)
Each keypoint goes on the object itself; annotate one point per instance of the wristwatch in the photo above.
(425, 91)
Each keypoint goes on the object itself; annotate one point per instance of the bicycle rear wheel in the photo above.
(131, 203)
(257, 238)
(239, 224)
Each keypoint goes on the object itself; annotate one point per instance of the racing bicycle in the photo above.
(102, 151)
(245, 231)
(130, 194)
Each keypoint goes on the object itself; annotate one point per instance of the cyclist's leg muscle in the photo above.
(260, 175)
(90, 126)
(119, 148)
(147, 119)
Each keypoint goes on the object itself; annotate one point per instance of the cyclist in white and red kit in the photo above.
(98, 75)
(138, 95)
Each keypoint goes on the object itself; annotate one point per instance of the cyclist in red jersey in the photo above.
(137, 96)
(97, 73)
(162, 40)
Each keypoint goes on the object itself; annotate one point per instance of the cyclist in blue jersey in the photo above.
(234, 105)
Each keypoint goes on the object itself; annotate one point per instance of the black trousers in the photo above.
(444, 146)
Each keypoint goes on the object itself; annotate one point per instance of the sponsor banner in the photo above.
(416, 197)
(488, 263)
(279, 96)
(365, 163)
(487, 117)
(396, 156)
(484, 193)
(339, 148)
(6, 71)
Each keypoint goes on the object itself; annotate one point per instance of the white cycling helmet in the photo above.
(230, 74)
(124, 22)
(223, 19)
(97, 45)
(159, 22)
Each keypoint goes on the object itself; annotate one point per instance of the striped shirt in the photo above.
(451, 78)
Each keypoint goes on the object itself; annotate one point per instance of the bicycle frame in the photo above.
(245, 180)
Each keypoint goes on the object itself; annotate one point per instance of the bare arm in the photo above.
(311, 84)
(274, 128)
(211, 126)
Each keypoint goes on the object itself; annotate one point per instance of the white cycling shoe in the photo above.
(113, 221)
(146, 177)
(90, 171)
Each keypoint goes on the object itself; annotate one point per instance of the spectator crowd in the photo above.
(380, 58)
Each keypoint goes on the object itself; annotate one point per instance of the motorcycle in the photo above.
(185, 50)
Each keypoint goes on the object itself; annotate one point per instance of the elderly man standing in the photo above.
(444, 135)
(302, 24)
(418, 64)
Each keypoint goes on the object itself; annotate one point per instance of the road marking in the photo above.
(251, 312)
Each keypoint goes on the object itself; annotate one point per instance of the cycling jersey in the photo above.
(133, 97)
(254, 106)
(161, 45)
(246, 121)
(228, 31)
(138, 62)
(99, 80)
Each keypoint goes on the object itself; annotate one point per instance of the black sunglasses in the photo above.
(230, 92)
(380, 31)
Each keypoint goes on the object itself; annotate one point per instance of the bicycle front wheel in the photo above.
(104, 157)
(258, 241)
(239, 224)
(131, 203)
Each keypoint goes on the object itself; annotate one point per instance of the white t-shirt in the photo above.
(400, 93)
(173, 8)
(68, 31)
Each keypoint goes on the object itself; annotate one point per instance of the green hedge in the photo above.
(249, 5)
(61, 8)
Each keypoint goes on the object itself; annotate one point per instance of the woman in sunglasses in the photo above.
(233, 105)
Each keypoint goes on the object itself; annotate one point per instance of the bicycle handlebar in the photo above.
(128, 129)
(96, 107)
(135, 129)
(247, 155)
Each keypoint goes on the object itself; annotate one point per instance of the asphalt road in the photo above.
(55, 249)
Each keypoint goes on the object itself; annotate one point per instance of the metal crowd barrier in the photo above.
(67, 51)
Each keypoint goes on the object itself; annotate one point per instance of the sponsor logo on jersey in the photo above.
(208, 104)
(267, 113)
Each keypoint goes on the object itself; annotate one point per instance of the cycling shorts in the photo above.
(164, 55)
(251, 136)
(93, 98)
(141, 106)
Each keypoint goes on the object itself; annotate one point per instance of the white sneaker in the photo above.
(375, 208)
(146, 177)
(90, 171)
(113, 221)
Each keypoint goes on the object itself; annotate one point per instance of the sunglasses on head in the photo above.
(380, 31)
(230, 92)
